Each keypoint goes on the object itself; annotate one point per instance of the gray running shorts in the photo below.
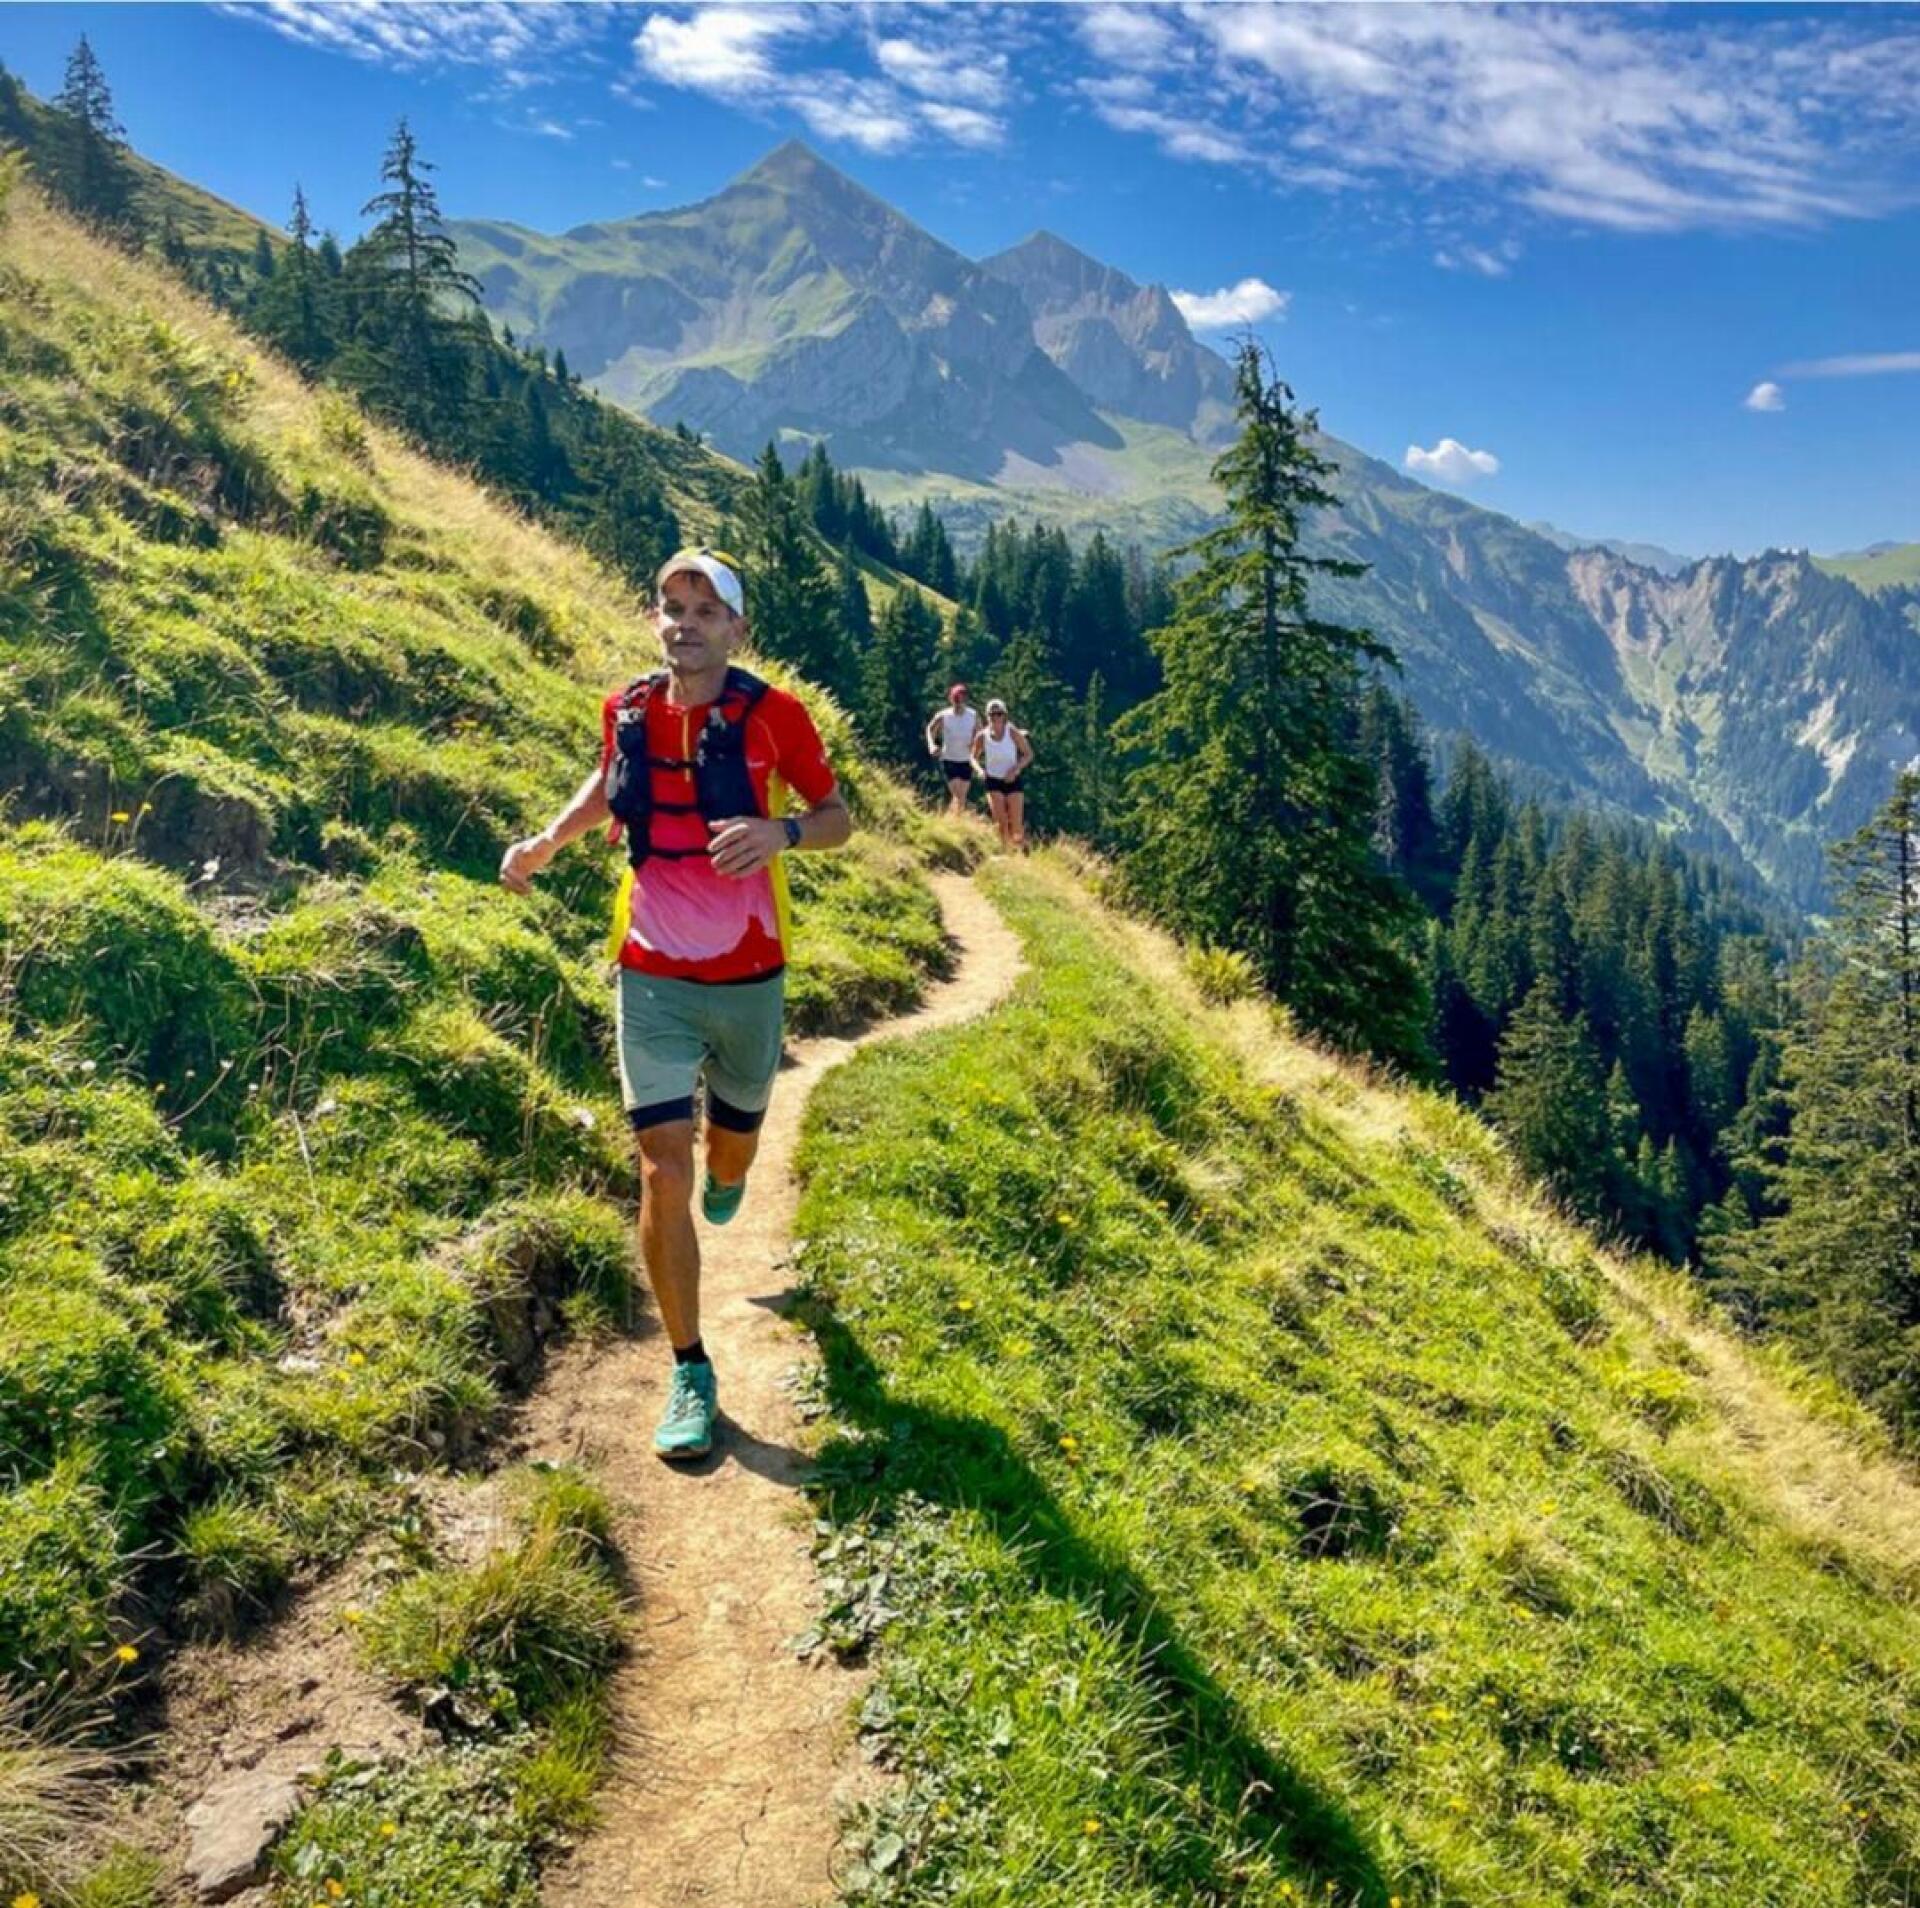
(671, 1032)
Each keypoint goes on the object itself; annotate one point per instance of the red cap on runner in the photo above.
(958, 689)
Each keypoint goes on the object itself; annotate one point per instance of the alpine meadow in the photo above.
(1323, 1304)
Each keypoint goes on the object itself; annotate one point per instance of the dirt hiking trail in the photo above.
(734, 1759)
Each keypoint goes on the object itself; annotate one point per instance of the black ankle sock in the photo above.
(694, 1354)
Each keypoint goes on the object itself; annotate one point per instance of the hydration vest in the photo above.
(723, 786)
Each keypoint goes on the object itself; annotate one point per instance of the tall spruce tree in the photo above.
(1837, 1261)
(855, 613)
(1550, 1099)
(91, 170)
(792, 600)
(408, 354)
(1252, 814)
(896, 677)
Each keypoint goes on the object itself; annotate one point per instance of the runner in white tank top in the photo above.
(950, 733)
(1004, 753)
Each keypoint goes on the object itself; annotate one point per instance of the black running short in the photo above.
(1003, 785)
(957, 771)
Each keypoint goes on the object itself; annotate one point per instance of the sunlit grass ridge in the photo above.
(1271, 1499)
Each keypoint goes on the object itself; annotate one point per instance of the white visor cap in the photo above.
(718, 571)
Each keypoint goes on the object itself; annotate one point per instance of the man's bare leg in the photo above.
(730, 1154)
(667, 1240)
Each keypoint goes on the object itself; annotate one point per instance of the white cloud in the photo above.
(1765, 396)
(1859, 364)
(723, 49)
(972, 76)
(964, 125)
(520, 45)
(865, 113)
(743, 54)
(1246, 303)
(1638, 120)
(1451, 462)
(1490, 261)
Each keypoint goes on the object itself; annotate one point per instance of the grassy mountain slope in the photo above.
(1884, 567)
(307, 1131)
(1257, 1497)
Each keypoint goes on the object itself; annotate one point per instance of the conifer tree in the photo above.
(407, 356)
(1252, 814)
(1838, 1259)
(793, 603)
(896, 677)
(855, 612)
(90, 169)
(1550, 1101)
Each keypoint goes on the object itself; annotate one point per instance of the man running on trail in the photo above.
(950, 733)
(1003, 753)
(695, 761)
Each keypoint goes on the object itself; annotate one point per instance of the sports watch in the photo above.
(791, 823)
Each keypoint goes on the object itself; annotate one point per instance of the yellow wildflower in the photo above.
(26, 1901)
(1458, 1804)
(1548, 1508)
(1440, 1713)
(356, 1358)
(336, 1891)
(1017, 1347)
(963, 1305)
(119, 815)
(352, 1613)
(126, 1653)
(389, 1828)
(1091, 1826)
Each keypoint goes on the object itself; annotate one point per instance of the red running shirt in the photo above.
(679, 918)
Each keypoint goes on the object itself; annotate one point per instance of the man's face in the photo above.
(697, 630)
(958, 697)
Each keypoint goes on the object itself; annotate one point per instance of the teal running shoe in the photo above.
(686, 1426)
(720, 1202)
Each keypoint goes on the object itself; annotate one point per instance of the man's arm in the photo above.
(525, 859)
(748, 843)
(934, 722)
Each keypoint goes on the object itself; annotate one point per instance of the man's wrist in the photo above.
(790, 827)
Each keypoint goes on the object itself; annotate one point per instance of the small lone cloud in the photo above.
(1765, 396)
(1451, 462)
(1490, 261)
(1246, 303)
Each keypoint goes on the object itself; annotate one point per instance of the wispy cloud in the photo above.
(1490, 261)
(1858, 364)
(1636, 121)
(1451, 462)
(516, 45)
(1765, 396)
(1247, 303)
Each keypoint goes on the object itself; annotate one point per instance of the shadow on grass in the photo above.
(903, 1450)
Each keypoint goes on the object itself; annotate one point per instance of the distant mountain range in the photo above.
(1758, 705)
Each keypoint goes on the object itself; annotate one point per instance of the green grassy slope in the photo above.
(307, 1130)
(1894, 568)
(1257, 1499)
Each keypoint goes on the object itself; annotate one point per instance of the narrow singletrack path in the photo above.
(735, 1759)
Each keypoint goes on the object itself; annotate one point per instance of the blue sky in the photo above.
(1647, 272)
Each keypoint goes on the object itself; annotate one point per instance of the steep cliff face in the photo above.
(1782, 697)
(1126, 345)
